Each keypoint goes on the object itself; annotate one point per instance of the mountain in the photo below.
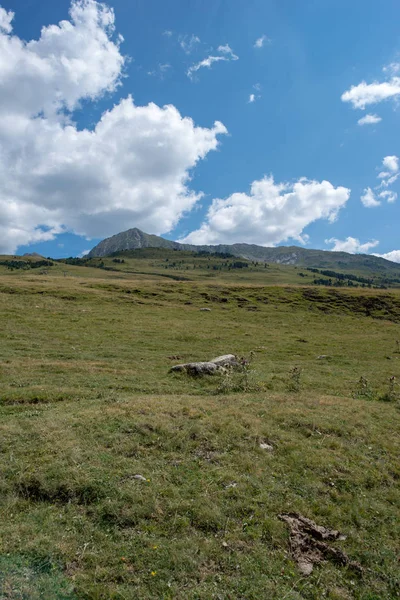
(131, 240)
(284, 255)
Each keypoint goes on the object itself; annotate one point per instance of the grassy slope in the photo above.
(363, 263)
(193, 266)
(86, 402)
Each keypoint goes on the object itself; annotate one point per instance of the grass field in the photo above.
(87, 403)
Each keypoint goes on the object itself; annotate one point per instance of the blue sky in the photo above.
(286, 163)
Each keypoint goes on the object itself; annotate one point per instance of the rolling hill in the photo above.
(285, 255)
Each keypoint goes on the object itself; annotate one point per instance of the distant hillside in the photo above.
(32, 255)
(285, 255)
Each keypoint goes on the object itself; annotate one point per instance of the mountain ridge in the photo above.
(134, 238)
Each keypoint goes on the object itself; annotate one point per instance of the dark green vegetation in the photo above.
(17, 263)
(87, 403)
(134, 239)
(186, 265)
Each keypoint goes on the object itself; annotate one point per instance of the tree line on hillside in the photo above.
(25, 264)
(349, 279)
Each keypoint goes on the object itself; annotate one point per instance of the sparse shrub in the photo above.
(363, 390)
(294, 382)
(391, 395)
(239, 380)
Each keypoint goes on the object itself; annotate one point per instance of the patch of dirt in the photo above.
(308, 544)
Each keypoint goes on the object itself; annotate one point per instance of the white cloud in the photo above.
(132, 169)
(389, 196)
(369, 120)
(392, 68)
(206, 62)
(226, 54)
(363, 94)
(83, 253)
(391, 163)
(254, 97)
(226, 49)
(160, 70)
(259, 43)
(368, 199)
(394, 256)
(271, 213)
(72, 61)
(351, 245)
(388, 181)
(6, 18)
(388, 177)
(188, 43)
(167, 33)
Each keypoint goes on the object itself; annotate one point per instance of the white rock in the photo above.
(266, 447)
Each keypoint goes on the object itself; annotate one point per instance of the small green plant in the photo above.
(239, 380)
(294, 382)
(363, 389)
(391, 395)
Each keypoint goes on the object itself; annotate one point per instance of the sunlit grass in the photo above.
(87, 402)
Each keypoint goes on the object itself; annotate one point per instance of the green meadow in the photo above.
(87, 403)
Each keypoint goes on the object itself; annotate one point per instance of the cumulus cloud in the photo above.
(391, 163)
(369, 120)
(368, 199)
(132, 169)
(363, 94)
(6, 18)
(226, 54)
(351, 245)
(71, 61)
(271, 213)
(252, 98)
(259, 43)
(394, 256)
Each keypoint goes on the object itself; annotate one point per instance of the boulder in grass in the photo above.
(197, 368)
(220, 364)
(227, 360)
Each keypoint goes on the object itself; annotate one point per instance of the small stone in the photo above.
(266, 447)
(139, 477)
(205, 309)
